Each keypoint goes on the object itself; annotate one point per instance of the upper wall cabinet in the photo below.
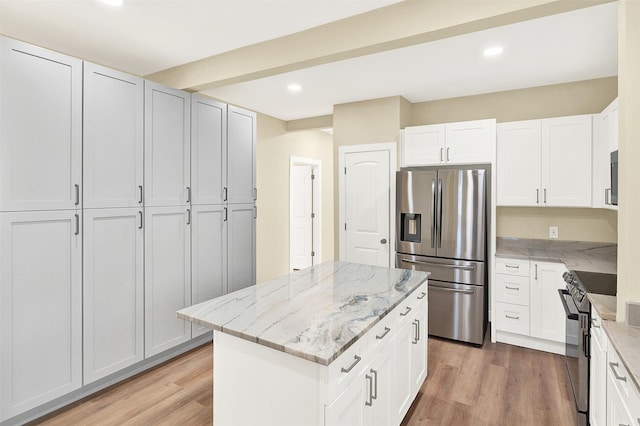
(533, 167)
(241, 156)
(605, 141)
(113, 143)
(208, 151)
(166, 144)
(467, 142)
(40, 128)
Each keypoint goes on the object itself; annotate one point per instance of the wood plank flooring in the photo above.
(495, 385)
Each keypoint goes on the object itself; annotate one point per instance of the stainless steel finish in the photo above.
(405, 313)
(381, 336)
(415, 193)
(416, 331)
(77, 188)
(452, 290)
(516, 267)
(188, 216)
(439, 214)
(368, 378)
(188, 194)
(511, 288)
(356, 360)
(456, 311)
(418, 262)
(140, 199)
(614, 366)
(383, 241)
(448, 270)
(375, 381)
(141, 220)
(434, 203)
(77, 232)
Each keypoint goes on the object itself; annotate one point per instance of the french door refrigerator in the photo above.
(442, 228)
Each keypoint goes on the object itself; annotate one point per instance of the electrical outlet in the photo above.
(553, 232)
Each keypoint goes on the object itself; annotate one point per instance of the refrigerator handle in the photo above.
(433, 213)
(439, 219)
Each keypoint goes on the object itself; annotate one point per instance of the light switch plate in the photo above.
(553, 232)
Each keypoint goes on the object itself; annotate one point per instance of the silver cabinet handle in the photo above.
(368, 378)
(512, 266)
(224, 191)
(386, 331)
(77, 232)
(511, 317)
(255, 194)
(405, 313)
(375, 385)
(607, 200)
(537, 195)
(140, 199)
(511, 288)
(544, 191)
(141, 220)
(188, 194)
(188, 216)
(353, 364)
(416, 328)
(77, 188)
(441, 155)
(536, 271)
(255, 212)
(447, 154)
(594, 323)
(613, 366)
(422, 296)
(441, 265)
(225, 214)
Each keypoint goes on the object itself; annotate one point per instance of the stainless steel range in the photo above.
(578, 323)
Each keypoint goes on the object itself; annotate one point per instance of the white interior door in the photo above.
(301, 240)
(367, 198)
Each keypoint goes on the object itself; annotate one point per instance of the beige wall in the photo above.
(629, 148)
(274, 150)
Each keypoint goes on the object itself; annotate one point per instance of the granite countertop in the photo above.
(316, 313)
(578, 255)
(606, 306)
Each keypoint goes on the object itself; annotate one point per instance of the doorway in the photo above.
(304, 213)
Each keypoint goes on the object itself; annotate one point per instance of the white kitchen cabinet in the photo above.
(419, 327)
(241, 251)
(40, 128)
(349, 409)
(623, 398)
(167, 129)
(208, 256)
(208, 151)
(541, 176)
(40, 308)
(113, 105)
(467, 142)
(519, 159)
(241, 156)
(378, 379)
(598, 372)
(167, 281)
(113, 291)
(547, 314)
(605, 142)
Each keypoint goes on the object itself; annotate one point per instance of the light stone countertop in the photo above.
(605, 305)
(626, 341)
(316, 313)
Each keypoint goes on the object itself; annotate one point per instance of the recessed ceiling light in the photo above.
(294, 87)
(112, 2)
(493, 51)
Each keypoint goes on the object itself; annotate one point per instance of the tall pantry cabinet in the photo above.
(40, 226)
(121, 201)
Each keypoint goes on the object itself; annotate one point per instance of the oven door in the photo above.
(577, 350)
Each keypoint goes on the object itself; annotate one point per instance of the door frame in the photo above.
(316, 167)
(392, 149)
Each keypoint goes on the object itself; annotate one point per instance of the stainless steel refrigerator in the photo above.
(442, 228)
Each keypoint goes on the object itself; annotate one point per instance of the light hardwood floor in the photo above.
(495, 385)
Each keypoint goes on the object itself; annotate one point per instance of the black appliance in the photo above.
(578, 322)
(614, 178)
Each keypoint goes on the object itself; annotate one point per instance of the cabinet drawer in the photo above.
(512, 318)
(619, 375)
(512, 289)
(512, 267)
(342, 371)
(381, 333)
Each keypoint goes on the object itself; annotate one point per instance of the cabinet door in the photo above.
(113, 291)
(519, 163)
(40, 308)
(419, 327)
(597, 385)
(401, 386)
(469, 142)
(567, 183)
(348, 409)
(166, 146)
(167, 281)
(112, 142)
(40, 128)
(378, 379)
(241, 156)
(423, 146)
(546, 312)
(208, 256)
(241, 246)
(208, 150)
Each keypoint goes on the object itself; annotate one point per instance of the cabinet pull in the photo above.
(536, 271)
(447, 154)
(417, 330)
(141, 220)
(188, 194)
(544, 191)
(613, 366)
(224, 192)
(594, 323)
(511, 288)
(353, 364)
(255, 212)
(225, 214)
(512, 266)
(140, 198)
(368, 378)
(375, 384)
(386, 331)
(188, 216)
(77, 188)
(422, 295)
(415, 326)
(441, 154)
(255, 194)
(511, 317)
(405, 313)
(77, 224)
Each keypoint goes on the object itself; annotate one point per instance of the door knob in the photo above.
(383, 241)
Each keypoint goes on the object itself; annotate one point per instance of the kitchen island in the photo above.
(334, 344)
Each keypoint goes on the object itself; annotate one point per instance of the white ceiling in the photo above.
(145, 36)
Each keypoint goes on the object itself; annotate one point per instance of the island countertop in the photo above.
(316, 313)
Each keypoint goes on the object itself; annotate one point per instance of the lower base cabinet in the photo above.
(598, 373)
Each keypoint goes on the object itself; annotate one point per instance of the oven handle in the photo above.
(562, 292)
